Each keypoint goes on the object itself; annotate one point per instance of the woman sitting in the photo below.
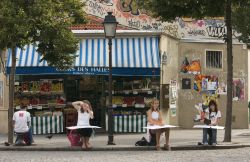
(85, 113)
(154, 117)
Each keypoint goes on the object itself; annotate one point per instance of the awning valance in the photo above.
(138, 52)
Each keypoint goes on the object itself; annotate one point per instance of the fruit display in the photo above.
(42, 93)
(40, 86)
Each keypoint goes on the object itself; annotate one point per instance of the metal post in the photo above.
(110, 106)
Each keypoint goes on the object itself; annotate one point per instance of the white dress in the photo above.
(154, 115)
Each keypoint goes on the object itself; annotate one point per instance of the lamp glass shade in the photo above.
(110, 24)
(110, 29)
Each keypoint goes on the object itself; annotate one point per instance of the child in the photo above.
(214, 116)
(85, 113)
(155, 118)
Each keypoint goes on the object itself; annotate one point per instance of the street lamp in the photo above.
(110, 24)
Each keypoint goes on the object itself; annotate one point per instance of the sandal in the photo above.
(158, 148)
(84, 147)
(88, 147)
(167, 147)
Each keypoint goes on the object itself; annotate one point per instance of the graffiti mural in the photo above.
(128, 13)
(193, 67)
(129, 6)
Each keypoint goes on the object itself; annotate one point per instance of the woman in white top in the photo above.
(214, 116)
(154, 117)
(85, 113)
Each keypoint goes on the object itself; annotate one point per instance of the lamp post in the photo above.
(110, 24)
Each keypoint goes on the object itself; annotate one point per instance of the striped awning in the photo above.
(139, 52)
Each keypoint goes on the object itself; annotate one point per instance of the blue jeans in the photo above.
(27, 137)
(205, 135)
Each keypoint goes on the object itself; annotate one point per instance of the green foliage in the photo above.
(45, 23)
(241, 20)
(168, 10)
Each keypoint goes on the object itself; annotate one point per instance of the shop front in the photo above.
(47, 91)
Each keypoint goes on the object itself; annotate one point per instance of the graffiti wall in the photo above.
(128, 13)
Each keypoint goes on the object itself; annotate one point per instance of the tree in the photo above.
(168, 10)
(44, 23)
(241, 21)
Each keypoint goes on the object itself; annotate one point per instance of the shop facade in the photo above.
(136, 80)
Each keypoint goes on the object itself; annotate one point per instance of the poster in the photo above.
(1, 93)
(173, 112)
(186, 83)
(238, 89)
(204, 83)
(173, 94)
(222, 89)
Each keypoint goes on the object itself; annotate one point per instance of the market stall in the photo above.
(45, 101)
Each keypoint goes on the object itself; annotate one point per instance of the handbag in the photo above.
(74, 138)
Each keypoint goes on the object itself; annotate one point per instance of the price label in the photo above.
(150, 92)
(39, 108)
(135, 92)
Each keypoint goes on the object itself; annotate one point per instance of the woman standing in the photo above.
(214, 116)
(154, 117)
(85, 113)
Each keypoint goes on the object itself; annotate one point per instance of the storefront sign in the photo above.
(89, 71)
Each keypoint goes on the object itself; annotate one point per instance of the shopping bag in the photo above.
(74, 138)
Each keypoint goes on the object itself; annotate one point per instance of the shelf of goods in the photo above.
(129, 110)
(39, 94)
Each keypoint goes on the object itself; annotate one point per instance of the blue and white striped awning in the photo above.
(140, 52)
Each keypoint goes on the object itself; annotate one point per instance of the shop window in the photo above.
(214, 59)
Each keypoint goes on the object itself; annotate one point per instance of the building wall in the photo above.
(187, 98)
(170, 47)
(4, 93)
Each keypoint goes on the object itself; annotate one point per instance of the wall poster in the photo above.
(238, 89)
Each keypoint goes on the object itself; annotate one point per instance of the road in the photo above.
(229, 155)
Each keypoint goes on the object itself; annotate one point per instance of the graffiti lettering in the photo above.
(194, 32)
(147, 27)
(134, 24)
(96, 7)
(172, 30)
(218, 31)
(156, 25)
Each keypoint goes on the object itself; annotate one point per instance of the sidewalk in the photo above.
(180, 139)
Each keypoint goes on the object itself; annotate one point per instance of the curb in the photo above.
(118, 148)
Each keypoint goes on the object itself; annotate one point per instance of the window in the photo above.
(214, 59)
